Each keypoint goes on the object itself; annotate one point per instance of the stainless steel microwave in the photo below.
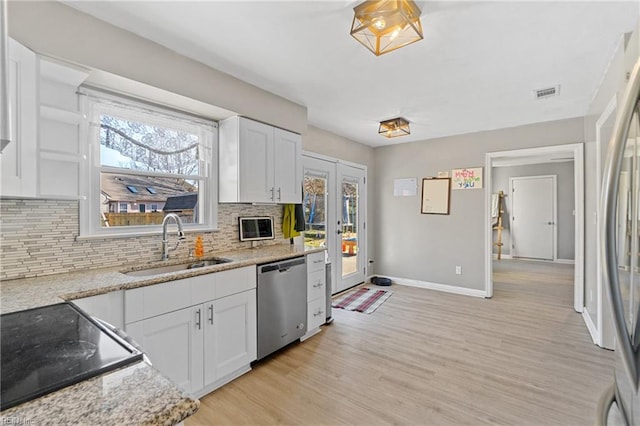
(256, 228)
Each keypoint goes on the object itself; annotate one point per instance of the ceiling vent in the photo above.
(547, 92)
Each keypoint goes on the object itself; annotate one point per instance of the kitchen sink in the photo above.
(157, 270)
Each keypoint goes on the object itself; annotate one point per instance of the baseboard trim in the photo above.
(528, 259)
(593, 331)
(439, 287)
(502, 256)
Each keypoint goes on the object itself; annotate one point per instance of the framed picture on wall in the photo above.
(435, 195)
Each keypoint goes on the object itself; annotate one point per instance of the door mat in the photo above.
(362, 300)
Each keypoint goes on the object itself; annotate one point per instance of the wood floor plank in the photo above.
(523, 357)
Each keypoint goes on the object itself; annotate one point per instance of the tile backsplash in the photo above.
(38, 237)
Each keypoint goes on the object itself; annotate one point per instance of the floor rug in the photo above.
(362, 300)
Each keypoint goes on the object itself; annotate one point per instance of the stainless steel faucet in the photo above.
(165, 240)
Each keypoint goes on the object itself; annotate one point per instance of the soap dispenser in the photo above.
(199, 247)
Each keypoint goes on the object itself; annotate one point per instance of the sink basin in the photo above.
(177, 267)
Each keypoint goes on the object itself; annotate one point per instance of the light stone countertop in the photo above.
(21, 294)
(136, 394)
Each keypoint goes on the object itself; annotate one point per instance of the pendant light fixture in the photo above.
(394, 127)
(386, 25)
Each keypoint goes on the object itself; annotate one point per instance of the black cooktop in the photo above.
(45, 349)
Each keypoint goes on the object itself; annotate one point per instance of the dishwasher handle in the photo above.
(282, 266)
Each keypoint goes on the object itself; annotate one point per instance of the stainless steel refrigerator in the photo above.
(620, 250)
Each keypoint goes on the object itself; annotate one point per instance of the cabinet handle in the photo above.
(279, 194)
(211, 314)
(318, 313)
(318, 261)
(198, 319)
(273, 194)
(318, 285)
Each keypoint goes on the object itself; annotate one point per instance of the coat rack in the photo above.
(498, 225)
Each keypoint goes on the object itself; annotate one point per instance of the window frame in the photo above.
(95, 103)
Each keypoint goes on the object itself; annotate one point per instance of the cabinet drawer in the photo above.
(108, 307)
(315, 314)
(153, 300)
(235, 281)
(315, 262)
(315, 285)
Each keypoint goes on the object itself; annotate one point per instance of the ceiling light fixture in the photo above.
(394, 127)
(386, 25)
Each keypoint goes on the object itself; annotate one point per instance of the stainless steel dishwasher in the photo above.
(282, 304)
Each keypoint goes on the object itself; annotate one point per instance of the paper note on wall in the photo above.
(405, 187)
(466, 178)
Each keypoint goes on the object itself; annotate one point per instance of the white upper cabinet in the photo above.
(59, 121)
(287, 166)
(18, 160)
(259, 163)
(43, 158)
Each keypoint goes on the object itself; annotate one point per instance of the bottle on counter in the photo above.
(199, 247)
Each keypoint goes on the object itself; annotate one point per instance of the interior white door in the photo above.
(533, 217)
(352, 198)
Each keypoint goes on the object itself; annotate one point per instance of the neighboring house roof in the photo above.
(181, 202)
(131, 188)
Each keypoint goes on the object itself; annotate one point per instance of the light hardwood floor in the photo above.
(425, 357)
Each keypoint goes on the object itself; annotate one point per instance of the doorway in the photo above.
(569, 152)
(334, 203)
(533, 217)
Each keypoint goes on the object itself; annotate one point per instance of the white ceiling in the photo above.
(476, 68)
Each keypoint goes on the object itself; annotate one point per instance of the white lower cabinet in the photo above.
(174, 344)
(230, 335)
(316, 293)
(203, 346)
(107, 307)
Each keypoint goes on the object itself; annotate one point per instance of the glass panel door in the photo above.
(320, 207)
(351, 226)
(334, 203)
(314, 203)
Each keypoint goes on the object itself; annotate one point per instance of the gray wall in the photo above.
(565, 199)
(428, 247)
(56, 30)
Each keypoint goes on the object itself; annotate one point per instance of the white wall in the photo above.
(56, 30)
(428, 247)
(564, 200)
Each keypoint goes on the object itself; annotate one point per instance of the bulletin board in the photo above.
(435, 195)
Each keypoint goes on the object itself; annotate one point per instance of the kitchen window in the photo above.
(143, 155)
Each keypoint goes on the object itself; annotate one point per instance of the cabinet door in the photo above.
(256, 162)
(18, 159)
(230, 339)
(287, 167)
(174, 344)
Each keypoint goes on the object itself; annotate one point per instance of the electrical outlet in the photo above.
(458, 270)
